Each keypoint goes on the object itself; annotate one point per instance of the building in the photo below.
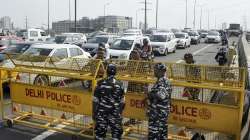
(224, 26)
(62, 26)
(5, 23)
(109, 23)
(114, 23)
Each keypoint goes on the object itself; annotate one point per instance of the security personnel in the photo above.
(146, 53)
(159, 105)
(101, 52)
(108, 105)
(221, 56)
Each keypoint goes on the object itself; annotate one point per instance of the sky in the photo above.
(171, 12)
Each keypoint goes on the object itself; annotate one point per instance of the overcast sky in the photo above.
(171, 12)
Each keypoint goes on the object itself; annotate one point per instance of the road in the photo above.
(203, 54)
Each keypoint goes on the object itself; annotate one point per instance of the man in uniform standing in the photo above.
(108, 105)
(159, 105)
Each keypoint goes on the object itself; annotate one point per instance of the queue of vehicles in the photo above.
(118, 46)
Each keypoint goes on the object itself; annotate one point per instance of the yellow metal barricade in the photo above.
(49, 95)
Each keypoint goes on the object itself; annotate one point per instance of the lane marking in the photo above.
(196, 52)
(21, 132)
(48, 133)
(200, 50)
(180, 61)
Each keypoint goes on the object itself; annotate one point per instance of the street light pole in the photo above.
(208, 20)
(75, 15)
(104, 15)
(69, 11)
(186, 15)
(194, 14)
(157, 8)
(201, 19)
(145, 22)
(48, 18)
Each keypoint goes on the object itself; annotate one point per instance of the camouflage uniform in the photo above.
(158, 109)
(108, 104)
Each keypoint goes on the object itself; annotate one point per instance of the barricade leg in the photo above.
(1, 100)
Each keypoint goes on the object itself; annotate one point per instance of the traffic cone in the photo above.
(63, 116)
(62, 84)
(43, 112)
(18, 77)
(182, 133)
(14, 109)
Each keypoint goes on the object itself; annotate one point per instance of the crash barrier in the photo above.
(49, 95)
(243, 51)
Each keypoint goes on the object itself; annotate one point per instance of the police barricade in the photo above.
(42, 95)
(51, 93)
(214, 118)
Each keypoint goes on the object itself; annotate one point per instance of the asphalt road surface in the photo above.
(203, 54)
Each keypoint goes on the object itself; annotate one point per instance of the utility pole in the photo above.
(215, 22)
(26, 23)
(201, 19)
(186, 14)
(145, 21)
(75, 15)
(208, 22)
(48, 19)
(157, 8)
(104, 13)
(69, 11)
(194, 14)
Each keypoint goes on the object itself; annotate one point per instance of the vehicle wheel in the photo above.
(166, 52)
(174, 50)
(185, 46)
(42, 80)
(74, 137)
(9, 123)
(86, 84)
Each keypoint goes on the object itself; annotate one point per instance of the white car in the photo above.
(133, 32)
(122, 47)
(163, 43)
(92, 45)
(183, 40)
(81, 35)
(39, 54)
(213, 37)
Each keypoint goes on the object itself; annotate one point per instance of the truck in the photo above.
(234, 30)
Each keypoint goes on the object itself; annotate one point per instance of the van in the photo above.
(36, 35)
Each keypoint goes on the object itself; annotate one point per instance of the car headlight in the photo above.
(123, 56)
(162, 47)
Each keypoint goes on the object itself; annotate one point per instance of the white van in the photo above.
(163, 43)
(122, 47)
(36, 35)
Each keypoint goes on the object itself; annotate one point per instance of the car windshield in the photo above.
(38, 51)
(17, 48)
(98, 40)
(60, 39)
(193, 34)
(214, 33)
(180, 35)
(158, 38)
(120, 44)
